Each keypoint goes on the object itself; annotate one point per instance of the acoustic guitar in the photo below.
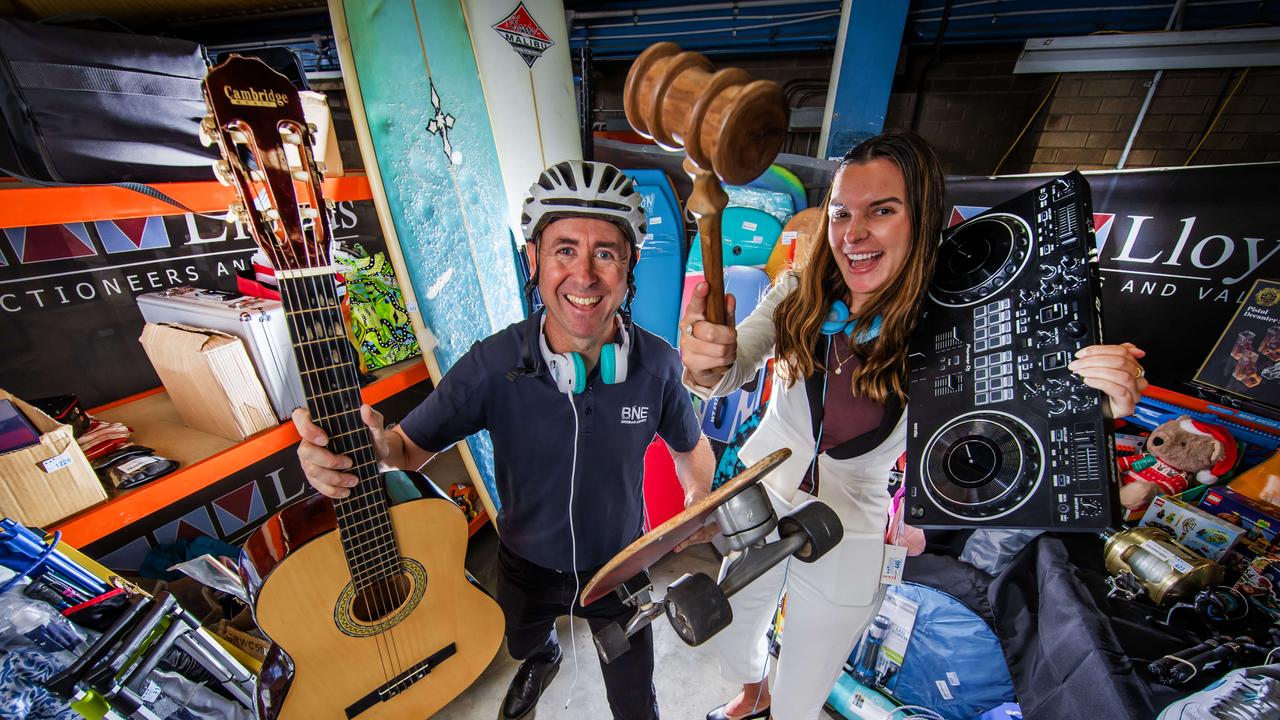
(365, 598)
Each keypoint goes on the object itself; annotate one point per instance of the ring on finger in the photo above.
(1142, 372)
(688, 329)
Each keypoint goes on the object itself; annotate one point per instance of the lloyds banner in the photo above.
(67, 307)
(1178, 250)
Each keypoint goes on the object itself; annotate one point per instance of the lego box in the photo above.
(1261, 521)
(1196, 529)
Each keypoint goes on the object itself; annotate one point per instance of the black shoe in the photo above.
(718, 714)
(526, 687)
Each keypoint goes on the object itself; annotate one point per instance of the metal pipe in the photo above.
(818, 14)
(1175, 22)
(1059, 11)
(707, 31)
(592, 15)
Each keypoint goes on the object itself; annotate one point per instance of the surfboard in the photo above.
(421, 119)
(780, 205)
(794, 243)
(780, 179)
(660, 271)
(522, 56)
(723, 415)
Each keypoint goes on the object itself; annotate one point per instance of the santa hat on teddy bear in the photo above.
(1230, 451)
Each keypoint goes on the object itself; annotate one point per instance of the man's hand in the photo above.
(324, 469)
(706, 349)
(1114, 370)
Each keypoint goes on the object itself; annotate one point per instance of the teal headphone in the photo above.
(570, 372)
(838, 321)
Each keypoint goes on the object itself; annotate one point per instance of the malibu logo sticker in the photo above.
(524, 35)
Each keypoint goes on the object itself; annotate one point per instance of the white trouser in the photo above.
(817, 637)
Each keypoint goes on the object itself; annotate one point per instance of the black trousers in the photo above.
(532, 597)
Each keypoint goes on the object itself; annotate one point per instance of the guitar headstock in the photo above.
(255, 114)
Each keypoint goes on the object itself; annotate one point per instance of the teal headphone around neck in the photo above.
(838, 321)
(570, 371)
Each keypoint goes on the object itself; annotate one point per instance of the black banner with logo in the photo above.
(1178, 250)
(67, 308)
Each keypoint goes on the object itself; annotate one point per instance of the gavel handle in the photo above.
(707, 203)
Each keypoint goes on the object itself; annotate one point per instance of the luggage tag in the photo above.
(894, 559)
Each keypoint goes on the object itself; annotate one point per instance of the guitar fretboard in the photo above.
(330, 380)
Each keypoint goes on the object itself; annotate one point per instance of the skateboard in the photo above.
(696, 605)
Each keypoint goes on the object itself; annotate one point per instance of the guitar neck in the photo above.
(331, 383)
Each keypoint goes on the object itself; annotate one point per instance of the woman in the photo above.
(838, 403)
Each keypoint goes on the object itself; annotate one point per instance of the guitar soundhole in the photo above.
(381, 605)
(381, 598)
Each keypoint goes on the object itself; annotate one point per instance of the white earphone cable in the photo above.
(573, 545)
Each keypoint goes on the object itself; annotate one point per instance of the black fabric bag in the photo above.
(83, 106)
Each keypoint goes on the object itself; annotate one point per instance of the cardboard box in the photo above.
(210, 379)
(1196, 529)
(44, 483)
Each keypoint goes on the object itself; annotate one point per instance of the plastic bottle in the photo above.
(865, 668)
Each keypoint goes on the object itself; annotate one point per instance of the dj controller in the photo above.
(1001, 433)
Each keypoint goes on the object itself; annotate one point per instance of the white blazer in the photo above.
(855, 488)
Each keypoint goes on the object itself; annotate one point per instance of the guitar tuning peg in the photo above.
(302, 176)
(329, 203)
(207, 129)
(309, 213)
(222, 171)
(236, 213)
(272, 214)
(291, 137)
(239, 137)
(257, 176)
(313, 129)
(321, 168)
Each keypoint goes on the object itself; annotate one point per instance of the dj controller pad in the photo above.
(1001, 433)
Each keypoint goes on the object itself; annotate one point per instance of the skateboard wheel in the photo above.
(611, 642)
(697, 608)
(819, 525)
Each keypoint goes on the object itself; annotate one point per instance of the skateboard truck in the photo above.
(697, 606)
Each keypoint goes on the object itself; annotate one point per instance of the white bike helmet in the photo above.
(580, 188)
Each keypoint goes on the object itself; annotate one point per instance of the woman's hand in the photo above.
(706, 349)
(1114, 370)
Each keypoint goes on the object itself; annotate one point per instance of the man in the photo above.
(572, 397)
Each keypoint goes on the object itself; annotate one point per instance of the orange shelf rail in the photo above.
(477, 522)
(25, 206)
(105, 518)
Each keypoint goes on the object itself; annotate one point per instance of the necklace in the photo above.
(840, 363)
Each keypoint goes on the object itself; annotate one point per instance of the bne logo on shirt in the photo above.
(635, 414)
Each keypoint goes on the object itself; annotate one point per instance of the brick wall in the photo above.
(972, 107)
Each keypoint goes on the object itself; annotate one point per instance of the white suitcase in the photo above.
(259, 323)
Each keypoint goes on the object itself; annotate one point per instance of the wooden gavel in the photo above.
(730, 127)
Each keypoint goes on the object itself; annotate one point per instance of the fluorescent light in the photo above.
(1246, 47)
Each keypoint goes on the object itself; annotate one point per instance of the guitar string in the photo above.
(322, 409)
(385, 551)
(369, 505)
(327, 402)
(314, 403)
(356, 507)
(385, 564)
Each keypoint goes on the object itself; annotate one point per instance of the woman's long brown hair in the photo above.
(799, 317)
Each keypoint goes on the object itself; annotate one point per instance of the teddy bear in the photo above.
(1176, 452)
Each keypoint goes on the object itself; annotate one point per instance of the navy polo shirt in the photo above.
(532, 426)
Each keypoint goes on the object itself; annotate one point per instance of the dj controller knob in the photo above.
(1075, 329)
(982, 465)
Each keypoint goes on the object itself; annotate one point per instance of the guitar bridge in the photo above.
(401, 682)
